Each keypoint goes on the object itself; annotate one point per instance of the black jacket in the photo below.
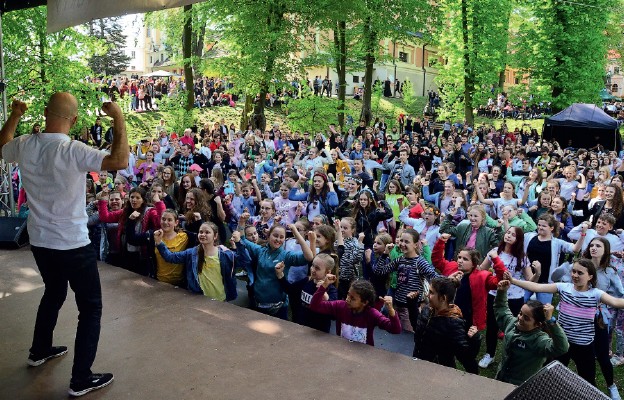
(441, 338)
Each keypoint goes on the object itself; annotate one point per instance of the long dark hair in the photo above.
(372, 203)
(201, 206)
(517, 249)
(182, 191)
(127, 210)
(605, 260)
(618, 202)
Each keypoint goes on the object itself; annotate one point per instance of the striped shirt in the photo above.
(409, 272)
(577, 311)
(350, 259)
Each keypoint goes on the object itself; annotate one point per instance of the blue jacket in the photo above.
(327, 205)
(227, 259)
(267, 288)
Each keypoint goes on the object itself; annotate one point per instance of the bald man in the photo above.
(53, 170)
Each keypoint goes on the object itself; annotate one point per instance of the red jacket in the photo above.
(480, 282)
(151, 219)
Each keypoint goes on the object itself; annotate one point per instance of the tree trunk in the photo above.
(468, 70)
(501, 75)
(187, 36)
(340, 49)
(274, 22)
(43, 50)
(198, 43)
(557, 87)
(258, 119)
(501, 80)
(370, 38)
(246, 110)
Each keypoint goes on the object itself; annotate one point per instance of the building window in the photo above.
(614, 88)
(151, 60)
(356, 79)
(162, 57)
(517, 81)
(133, 54)
(616, 70)
(403, 56)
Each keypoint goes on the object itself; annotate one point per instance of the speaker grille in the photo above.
(556, 382)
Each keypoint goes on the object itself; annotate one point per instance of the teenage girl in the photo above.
(439, 329)
(474, 283)
(268, 295)
(356, 318)
(350, 251)
(395, 198)
(302, 291)
(410, 268)
(209, 267)
(526, 345)
(135, 259)
(578, 305)
(174, 239)
(511, 253)
(599, 252)
(323, 238)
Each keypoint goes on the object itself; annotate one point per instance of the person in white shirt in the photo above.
(53, 171)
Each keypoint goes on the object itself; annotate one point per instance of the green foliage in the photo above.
(408, 96)
(376, 97)
(38, 64)
(474, 43)
(562, 45)
(311, 113)
(178, 118)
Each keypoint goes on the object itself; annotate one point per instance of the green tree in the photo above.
(562, 47)
(398, 20)
(474, 45)
(258, 40)
(111, 59)
(38, 64)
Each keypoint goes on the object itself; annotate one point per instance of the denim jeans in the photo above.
(78, 267)
(545, 298)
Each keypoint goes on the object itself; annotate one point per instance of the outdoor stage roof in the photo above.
(12, 5)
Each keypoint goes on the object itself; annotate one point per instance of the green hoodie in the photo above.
(524, 352)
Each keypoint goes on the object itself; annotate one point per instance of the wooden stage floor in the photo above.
(164, 343)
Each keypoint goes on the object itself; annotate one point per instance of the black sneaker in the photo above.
(35, 360)
(94, 382)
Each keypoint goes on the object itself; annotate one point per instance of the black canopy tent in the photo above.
(583, 125)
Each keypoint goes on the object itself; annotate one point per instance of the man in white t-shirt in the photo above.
(53, 171)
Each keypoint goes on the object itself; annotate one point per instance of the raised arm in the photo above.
(307, 252)
(532, 286)
(7, 133)
(119, 155)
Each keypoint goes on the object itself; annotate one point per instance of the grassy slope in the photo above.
(142, 125)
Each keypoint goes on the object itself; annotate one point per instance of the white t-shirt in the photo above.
(53, 170)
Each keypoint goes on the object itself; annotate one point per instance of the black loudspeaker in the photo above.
(556, 382)
(13, 232)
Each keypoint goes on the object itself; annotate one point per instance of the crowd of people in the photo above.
(459, 234)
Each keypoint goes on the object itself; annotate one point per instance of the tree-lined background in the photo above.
(559, 48)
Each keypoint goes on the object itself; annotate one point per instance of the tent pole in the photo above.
(7, 202)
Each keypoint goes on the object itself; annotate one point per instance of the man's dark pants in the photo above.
(78, 267)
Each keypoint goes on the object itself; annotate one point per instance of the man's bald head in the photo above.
(61, 112)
